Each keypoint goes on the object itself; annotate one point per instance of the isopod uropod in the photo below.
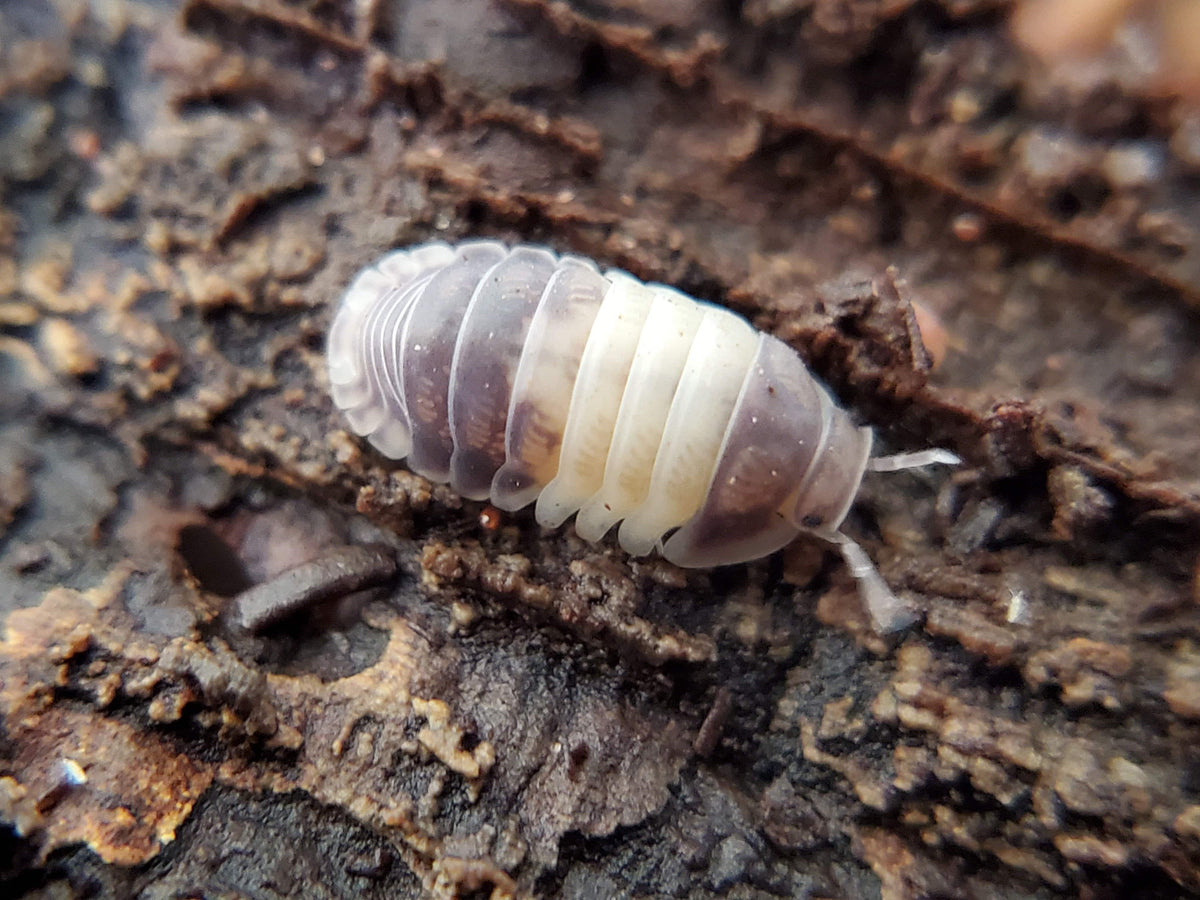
(521, 376)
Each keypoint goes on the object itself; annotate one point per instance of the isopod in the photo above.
(523, 376)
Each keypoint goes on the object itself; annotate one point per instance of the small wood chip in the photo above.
(341, 572)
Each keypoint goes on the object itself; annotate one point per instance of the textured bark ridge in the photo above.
(975, 248)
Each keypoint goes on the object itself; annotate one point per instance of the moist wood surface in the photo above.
(184, 192)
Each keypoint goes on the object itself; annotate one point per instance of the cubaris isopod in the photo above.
(521, 376)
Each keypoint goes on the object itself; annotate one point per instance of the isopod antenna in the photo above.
(888, 612)
(918, 459)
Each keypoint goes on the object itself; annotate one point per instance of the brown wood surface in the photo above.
(976, 248)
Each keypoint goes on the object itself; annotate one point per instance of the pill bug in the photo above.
(522, 376)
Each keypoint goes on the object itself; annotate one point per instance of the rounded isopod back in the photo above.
(522, 376)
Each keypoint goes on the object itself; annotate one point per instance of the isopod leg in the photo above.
(888, 612)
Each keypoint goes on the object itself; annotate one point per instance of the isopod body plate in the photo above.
(523, 376)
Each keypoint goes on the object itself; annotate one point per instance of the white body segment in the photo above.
(522, 376)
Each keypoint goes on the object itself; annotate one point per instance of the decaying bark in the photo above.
(503, 711)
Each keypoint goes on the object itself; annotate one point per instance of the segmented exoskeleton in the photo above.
(523, 376)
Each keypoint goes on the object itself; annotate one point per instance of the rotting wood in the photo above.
(183, 194)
